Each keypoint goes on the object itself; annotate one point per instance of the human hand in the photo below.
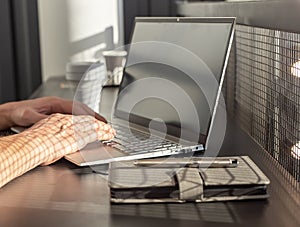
(25, 113)
(47, 141)
(65, 134)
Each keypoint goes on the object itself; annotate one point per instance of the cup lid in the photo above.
(116, 53)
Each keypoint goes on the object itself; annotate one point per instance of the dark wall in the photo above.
(7, 73)
(133, 8)
(20, 67)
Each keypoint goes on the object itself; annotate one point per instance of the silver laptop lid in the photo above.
(174, 73)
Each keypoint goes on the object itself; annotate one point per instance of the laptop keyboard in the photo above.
(136, 142)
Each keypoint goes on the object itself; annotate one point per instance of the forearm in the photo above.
(19, 154)
(23, 152)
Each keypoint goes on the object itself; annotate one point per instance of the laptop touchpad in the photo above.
(93, 152)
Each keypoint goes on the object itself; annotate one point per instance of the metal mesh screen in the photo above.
(263, 90)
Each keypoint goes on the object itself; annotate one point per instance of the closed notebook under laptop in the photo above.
(130, 183)
(164, 105)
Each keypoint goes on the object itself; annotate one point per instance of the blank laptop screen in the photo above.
(173, 73)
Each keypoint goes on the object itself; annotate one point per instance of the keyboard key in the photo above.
(135, 142)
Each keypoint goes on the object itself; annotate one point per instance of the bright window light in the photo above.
(295, 152)
(295, 69)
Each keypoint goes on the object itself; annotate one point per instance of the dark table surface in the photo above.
(63, 194)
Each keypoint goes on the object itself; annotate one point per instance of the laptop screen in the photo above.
(173, 73)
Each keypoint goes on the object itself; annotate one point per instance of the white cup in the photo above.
(115, 61)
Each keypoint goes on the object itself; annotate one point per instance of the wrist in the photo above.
(33, 144)
(44, 146)
(5, 115)
(20, 153)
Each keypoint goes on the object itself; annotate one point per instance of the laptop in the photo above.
(169, 92)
